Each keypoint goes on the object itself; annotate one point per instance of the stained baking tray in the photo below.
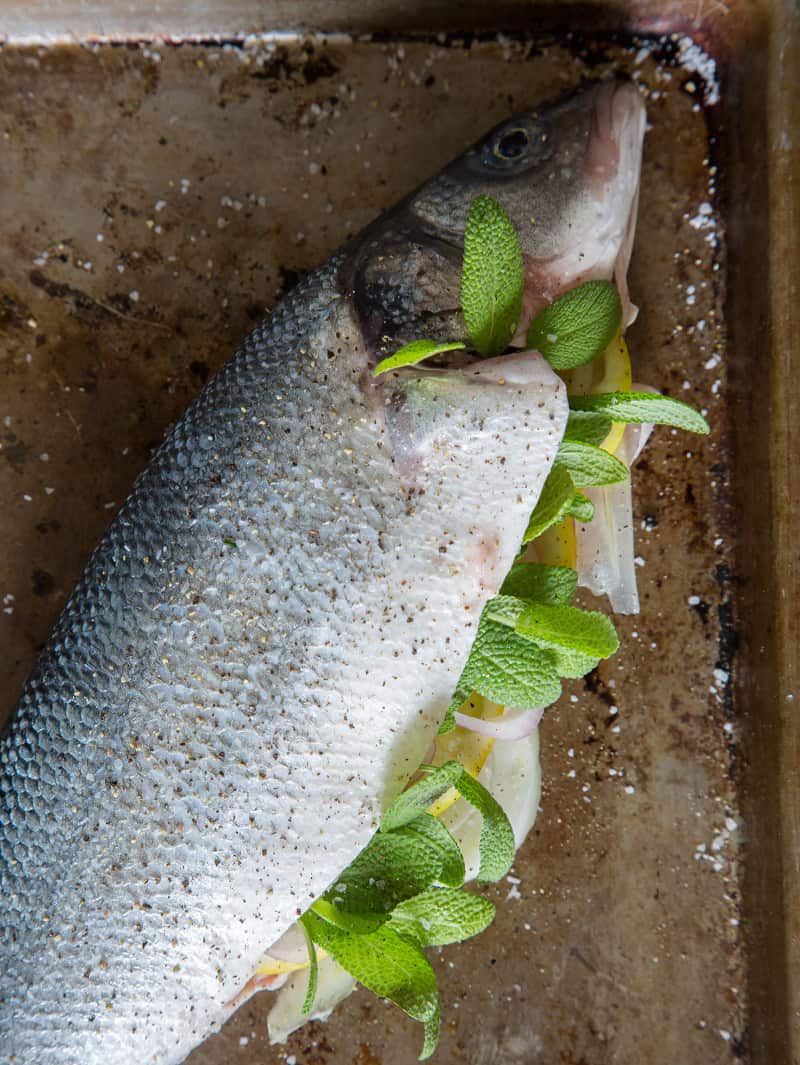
(168, 172)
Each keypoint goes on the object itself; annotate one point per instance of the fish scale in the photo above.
(214, 728)
(134, 859)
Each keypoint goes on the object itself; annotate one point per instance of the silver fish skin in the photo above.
(263, 644)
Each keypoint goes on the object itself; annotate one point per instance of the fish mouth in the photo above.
(574, 204)
(572, 197)
(600, 246)
(614, 162)
(613, 137)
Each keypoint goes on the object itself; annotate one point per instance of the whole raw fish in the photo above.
(262, 646)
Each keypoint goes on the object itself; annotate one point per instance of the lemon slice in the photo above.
(609, 372)
(556, 545)
(268, 966)
(613, 372)
(274, 966)
(464, 746)
(616, 377)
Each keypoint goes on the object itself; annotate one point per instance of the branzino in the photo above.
(262, 646)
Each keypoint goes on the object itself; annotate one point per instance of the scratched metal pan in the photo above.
(168, 174)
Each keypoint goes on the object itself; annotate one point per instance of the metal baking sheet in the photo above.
(160, 193)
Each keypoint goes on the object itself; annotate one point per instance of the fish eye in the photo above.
(511, 145)
(514, 147)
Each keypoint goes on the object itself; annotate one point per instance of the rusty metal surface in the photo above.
(764, 322)
(23, 20)
(156, 200)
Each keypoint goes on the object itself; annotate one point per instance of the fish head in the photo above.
(546, 166)
(567, 174)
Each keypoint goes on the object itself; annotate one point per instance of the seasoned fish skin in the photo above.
(259, 651)
(212, 731)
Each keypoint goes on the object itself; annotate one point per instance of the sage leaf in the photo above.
(575, 328)
(567, 652)
(393, 867)
(638, 407)
(435, 836)
(587, 427)
(555, 497)
(388, 965)
(313, 970)
(506, 668)
(496, 843)
(411, 354)
(441, 916)
(589, 465)
(351, 922)
(581, 508)
(505, 609)
(431, 1038)
(587, 631)
(416, 799)
(492, 277)
(540, 582)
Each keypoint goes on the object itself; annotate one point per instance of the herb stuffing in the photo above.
(405, 891)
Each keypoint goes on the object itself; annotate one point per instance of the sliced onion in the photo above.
(513, 725)
(286, 1016)
(637, 434)
(291, 947)
(511, 773)
(605, 546)
(635, 439)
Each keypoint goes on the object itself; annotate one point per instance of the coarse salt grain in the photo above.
(693, 58)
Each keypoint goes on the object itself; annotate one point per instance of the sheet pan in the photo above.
(166, 175)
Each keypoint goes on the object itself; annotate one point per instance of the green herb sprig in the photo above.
(404, 891)
(492, 277)
(573, 329)
(411, 354)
